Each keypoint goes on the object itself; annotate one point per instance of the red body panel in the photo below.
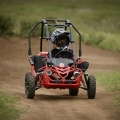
(46, 81)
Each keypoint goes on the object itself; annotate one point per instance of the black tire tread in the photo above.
(91, 87)
(73, 92)
(30, 82)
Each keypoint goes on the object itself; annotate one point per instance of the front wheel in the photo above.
(91, 83)
(29, 85)
(73, 92)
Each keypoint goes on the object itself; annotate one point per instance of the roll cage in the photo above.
(55, 23)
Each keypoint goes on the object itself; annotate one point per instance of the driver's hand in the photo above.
(79, 59)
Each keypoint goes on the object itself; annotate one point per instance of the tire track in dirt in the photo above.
(56, 104)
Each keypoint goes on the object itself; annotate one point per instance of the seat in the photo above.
(38, 62)
(83, 66)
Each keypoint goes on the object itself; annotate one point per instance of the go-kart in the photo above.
(43, 65)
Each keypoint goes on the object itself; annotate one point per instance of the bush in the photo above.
(110, 80)
(93, 39)
(104, 40)
(27, 26)
(6, 25)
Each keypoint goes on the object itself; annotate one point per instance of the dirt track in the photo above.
(50, 104)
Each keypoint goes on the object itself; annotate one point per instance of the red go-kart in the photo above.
(43, 65)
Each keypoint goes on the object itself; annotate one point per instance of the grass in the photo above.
(111, 81)
(103, 40)
(98, 21)
(8, 110)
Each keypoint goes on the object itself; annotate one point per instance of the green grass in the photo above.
(8, 110)
(111, 81)
(103, 40)
(98, 21)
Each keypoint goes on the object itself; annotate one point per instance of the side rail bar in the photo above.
(29, 41)
(45, 22)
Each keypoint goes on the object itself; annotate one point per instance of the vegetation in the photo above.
(7, 108)
(6, 25)
(111, 81)
(98, 21)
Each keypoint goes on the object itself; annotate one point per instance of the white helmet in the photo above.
(60, 34)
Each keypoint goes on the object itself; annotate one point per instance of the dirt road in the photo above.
(50, 104)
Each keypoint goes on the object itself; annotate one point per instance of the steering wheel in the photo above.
(64, 54)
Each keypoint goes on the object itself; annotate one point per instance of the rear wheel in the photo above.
(73, 92)
(29, 85)
(91, 83)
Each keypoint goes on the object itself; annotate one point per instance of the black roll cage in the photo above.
(45, 23)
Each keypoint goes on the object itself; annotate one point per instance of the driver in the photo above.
(60, 39)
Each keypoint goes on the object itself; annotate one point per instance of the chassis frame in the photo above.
(39, 77)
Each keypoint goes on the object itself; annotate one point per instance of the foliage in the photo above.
(110, 80)
(6, 25)
(98, 21)
(26, 27)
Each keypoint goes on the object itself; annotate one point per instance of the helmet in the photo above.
(60, 37)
